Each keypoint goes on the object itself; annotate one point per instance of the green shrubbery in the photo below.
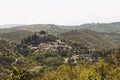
(18, 74)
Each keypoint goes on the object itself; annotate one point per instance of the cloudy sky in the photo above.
(63, 12)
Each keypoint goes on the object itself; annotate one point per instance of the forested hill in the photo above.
(52, 28)
(93, 39)
(16, 34)
(103, 27)
(75, 52)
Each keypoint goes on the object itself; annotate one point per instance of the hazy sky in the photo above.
(64, 12)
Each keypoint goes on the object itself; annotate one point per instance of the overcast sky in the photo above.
(62, 12)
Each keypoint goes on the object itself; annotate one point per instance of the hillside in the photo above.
(102, 27)
(92, 39)
(90, 33)
(50, 28)
(16, 34)
(40, 42)
(41, 54)
(9, 58)
(35, 53)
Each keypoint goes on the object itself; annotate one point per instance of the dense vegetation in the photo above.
(61, 54)
(103, 69)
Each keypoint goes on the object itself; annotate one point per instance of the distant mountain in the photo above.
(18, 32)
(10, 25)
(51, 28)
(102, 27)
